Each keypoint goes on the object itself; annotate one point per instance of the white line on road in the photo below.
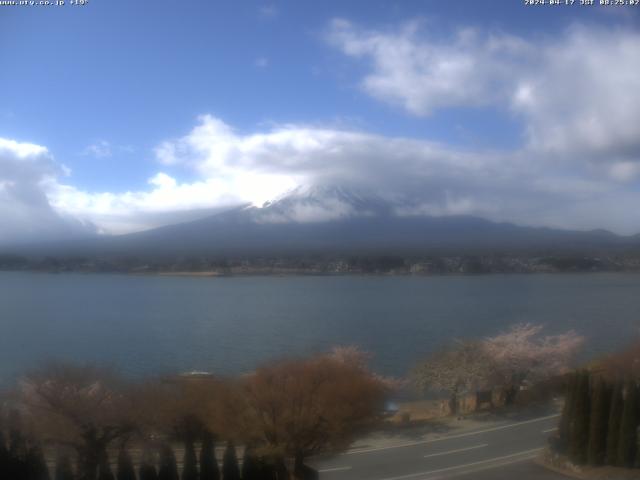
(550, 430)
(456, 450)
(481, 468)
(460, 435)
(525, 454)
(335, 469)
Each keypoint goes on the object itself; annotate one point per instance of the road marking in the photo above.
(550, 430)
(457, 450)
(482, 468)
(335, 469)
(460, 435)
(472, 464)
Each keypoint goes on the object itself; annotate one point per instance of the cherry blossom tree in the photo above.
(521, 356)
(456, 370)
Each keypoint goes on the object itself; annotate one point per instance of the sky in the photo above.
(118, 116)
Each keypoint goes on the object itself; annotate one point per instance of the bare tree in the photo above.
(302, 407)
(79, 406)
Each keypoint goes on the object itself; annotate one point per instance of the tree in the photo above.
(598, 423)
(36, 464)
(230, 470)
(627, 445)
(17, 447)
(208, 464)
(125, 466)
(147, 469)
(190, 462)
(168, 466)
(457, 370)
(82, 407)
(624, 364)
(63, 469)
(579, 427)
(302, 407)
(567, 413)
(104, 468)
(521, 356)
(614, 422)
(251, 465)
(4, 456)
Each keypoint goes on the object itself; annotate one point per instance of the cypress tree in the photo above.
(168, 467)
(251, 466)
(147, 469)
(613, 424)
(627, 445)
(600, 398)
(190, 461)
(230, 470)
(17, 449)
(4, 457)
(579, 427)
(104, 468)
(567, 413)
(63, 467)
(36, 464)
(208, 464)
(125, 466)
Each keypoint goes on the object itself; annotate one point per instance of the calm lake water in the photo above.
(146, 325)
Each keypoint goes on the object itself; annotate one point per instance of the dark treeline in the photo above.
(23, 460)
(600, 420)
(465, 263)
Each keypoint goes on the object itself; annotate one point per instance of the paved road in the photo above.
(498, 452)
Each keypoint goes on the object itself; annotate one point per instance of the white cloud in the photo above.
(26, 172)
(422, 74)
(268, 11)
(430, 178)
(577, 91)
(100, 149)
(261, 62)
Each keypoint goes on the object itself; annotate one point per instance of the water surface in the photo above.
(147, 324)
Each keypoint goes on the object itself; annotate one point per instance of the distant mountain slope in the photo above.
(335, 220)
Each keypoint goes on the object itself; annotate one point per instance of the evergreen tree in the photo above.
(230, 470)
(63, 468)
(147, 470)
(168, 467)
(579, 427)
(125, 466)
(190, 462)
(104, 468)
(567, 413)
(627, 445)
(251, 465)
(4, 457)
(208, 464)
(613, 424)
(601, 395)
(36, 464)
(18, 469)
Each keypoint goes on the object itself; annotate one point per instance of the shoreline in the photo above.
(291, 273)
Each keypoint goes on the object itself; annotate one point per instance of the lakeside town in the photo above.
(322, 265)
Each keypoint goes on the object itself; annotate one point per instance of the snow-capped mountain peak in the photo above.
(317, 203)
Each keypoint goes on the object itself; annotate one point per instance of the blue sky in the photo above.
(101, 88)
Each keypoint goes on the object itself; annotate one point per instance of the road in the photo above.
(497, 452)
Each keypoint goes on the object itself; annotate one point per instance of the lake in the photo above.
(151, 324)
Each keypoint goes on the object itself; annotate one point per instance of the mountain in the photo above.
(332, 220)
